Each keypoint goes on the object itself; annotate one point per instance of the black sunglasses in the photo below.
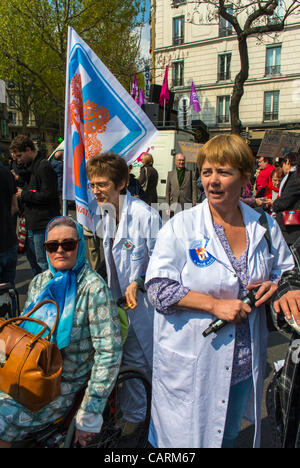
(68, 245)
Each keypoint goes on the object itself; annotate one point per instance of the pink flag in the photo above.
(134, 89)
(194, 99)
(164, 94)
(142, 99)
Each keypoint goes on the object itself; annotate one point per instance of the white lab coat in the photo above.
(192, 374)
(133, 244)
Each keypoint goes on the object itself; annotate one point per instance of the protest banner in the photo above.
(100, 116)
(278, 143)
(190, 150)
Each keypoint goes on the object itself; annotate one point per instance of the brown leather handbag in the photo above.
(30, 366)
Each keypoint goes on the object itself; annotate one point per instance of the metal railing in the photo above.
(272, 70)
(271, 115)
(224, 75)
(178, 40)
(223, 118)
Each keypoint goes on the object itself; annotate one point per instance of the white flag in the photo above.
(100, 116)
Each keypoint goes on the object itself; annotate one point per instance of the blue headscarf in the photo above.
(61, 289)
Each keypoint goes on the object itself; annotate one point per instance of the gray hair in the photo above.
(62, 221)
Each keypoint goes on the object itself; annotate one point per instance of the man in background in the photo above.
(40, 199)
(181, 185)
(57, 163)
(8, 237)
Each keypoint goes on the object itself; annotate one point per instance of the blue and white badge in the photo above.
(199, 255)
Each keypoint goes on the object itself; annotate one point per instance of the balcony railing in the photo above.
(225, 31)
(18, 122)
(177, 82)
(223, 118)
(223, 75)
(272, 70)
(271, 115)
(178, 40)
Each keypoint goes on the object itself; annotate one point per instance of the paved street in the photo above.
(276, 351)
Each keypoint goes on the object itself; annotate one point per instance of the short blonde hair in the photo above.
(147, 158)
(228, 149)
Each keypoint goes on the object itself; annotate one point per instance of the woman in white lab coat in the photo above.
(204, 263)
(129, 229)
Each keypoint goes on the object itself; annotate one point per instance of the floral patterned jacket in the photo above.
(95, 351)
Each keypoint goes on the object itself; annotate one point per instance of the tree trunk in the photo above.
(25, 121)
(238, 88)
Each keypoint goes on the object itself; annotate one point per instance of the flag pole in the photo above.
(164, 118)
(66, 123)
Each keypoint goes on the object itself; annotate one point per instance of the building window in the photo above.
(12, 118)
(11, 100)
(225, 28)
(273, 59)
(271, 105)
(178, 30)
(223, 112)
(177, 3)
(177, 73)
(224, 61)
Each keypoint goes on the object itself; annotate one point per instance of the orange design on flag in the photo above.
(95, 120)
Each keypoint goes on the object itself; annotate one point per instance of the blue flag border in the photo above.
(121, 101)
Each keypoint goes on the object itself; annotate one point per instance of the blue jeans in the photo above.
(238, 400)
(35, 251)
(8, 265)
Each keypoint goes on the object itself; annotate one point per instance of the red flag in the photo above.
(164, 94)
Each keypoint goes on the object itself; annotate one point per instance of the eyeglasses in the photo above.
(98, 185)
(68, 245)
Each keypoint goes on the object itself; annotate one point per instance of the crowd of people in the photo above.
(175, 277)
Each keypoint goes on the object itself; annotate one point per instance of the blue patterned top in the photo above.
(242, 359)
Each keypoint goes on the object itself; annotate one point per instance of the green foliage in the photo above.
(33, 45)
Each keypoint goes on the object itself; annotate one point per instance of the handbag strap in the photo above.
(21, 319)
(26, 317)
(38, 306)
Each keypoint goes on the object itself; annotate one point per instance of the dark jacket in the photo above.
(134, 187)
(58, 166)
(288, 200)
(22, 172)
(148, 180)
(8, 236)
(283, 395)
(40, 196)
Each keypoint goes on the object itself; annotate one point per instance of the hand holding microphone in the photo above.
(240, 312)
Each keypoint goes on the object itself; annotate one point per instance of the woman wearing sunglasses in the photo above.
(88, 335)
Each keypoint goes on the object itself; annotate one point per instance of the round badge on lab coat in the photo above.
(199, 255)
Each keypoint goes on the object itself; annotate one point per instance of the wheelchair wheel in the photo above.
(117, 431)
(9, 301)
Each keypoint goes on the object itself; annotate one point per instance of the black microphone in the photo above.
(219, 323)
